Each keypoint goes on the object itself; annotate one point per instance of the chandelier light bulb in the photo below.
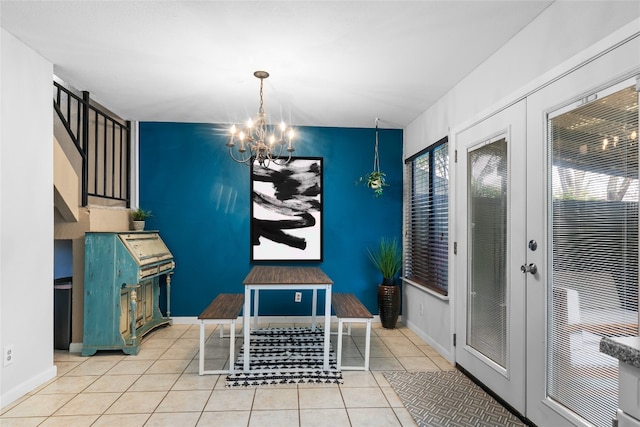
(260, 137)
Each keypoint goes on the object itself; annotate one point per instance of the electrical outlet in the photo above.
(421, 310)
(8, 355)
(298, 297)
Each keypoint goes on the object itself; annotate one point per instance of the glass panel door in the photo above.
(593, 195)
(486, 316)
(581, 205)
(490, 199)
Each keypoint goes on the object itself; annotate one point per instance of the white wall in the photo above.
(26, 222)
(560, 38)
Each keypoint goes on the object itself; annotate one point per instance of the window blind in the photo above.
(594, 276)
(426, 217)
(487, 308)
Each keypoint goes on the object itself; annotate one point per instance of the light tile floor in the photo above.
(161, 387)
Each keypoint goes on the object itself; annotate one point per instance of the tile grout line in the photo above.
(215, 386)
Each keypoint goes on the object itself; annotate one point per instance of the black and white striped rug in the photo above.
(285, 356)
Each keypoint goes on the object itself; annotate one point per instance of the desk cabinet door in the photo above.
(148, 299)
(125, 321)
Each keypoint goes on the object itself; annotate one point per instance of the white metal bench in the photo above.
(349, 309)
(223, 310)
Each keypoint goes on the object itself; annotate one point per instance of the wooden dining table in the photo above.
(286, 278)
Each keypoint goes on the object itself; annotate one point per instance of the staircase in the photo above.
(91, 180)
(92, 166)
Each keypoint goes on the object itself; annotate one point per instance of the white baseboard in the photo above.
(28, 386)
(185, 320)
(75, 347)
(193, 320)
(189, 320)
(433, 344)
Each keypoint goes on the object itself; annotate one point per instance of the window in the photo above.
(427, 217)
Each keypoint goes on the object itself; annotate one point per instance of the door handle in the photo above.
(531, 268)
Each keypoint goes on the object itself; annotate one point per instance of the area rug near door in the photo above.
(285, 356)
(448, 398)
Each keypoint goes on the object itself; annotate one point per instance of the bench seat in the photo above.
(349, 309)
(223, 310)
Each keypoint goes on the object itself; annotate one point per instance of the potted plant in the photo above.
(138, 218)
(387, 258)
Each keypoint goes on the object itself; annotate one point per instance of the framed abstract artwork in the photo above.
(286, 211)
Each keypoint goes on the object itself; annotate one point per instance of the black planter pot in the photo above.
(388, 303)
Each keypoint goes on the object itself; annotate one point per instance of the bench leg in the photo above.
(232, 344)
(339, 353)
(221, 326)
(246, 326)
(201, 361)
(367, 346)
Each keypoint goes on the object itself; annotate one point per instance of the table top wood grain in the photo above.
(286, 275)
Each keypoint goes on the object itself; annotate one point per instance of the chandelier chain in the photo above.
(261, 109)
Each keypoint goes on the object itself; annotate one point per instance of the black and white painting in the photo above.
(286, 211)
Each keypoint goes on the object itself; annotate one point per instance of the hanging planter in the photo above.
(375, 179)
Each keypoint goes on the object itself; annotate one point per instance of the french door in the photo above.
(491, 248)
(585, 179)
(546, 225)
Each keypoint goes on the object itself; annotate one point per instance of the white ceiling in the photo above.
(332, 63)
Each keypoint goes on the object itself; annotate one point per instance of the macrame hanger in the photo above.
(376, 159)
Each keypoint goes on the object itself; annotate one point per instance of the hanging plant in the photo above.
(375, 179)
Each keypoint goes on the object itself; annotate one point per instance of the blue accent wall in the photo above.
(62, 258)
(199, 198)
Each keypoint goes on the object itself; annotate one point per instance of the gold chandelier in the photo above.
(259, 141)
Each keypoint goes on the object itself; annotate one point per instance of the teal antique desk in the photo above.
(122, 289)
